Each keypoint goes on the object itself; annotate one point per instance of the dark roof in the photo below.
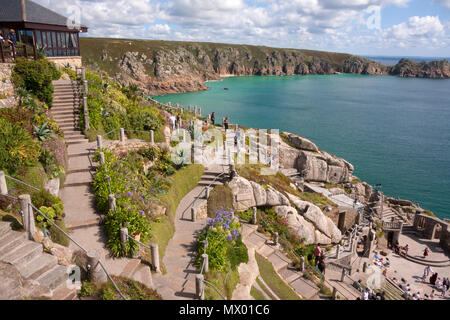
(11, 11)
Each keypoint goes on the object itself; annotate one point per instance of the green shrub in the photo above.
(17, 147)
(44, 198)
(225, 247)
(87, 289)
(36, 76)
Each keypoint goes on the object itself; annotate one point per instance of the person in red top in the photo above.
(317, 253)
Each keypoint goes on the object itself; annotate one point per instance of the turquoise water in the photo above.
(395, 131)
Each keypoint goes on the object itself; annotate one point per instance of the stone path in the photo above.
(179, 281)
(81, 217)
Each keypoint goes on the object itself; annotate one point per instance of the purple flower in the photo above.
(226, 226)
(210, 222)
(141, 213)
(219, 220)
(129, 193)
(228, 221)
(229, 238)
(235, 233)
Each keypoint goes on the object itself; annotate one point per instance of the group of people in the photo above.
(440, 284)
(10, 38)
(400, 250)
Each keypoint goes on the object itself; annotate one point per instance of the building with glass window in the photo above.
(39, 27)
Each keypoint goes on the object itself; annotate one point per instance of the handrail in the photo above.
(209, 283)
(26, 184)
(81, 247)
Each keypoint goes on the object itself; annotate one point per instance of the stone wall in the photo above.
(7, 95)
(428, 226)
(62, 62)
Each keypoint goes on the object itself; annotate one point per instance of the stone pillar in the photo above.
(86, 114)
(112, 202)
(302, 263)
(96, 272)
(364, 267)
(124, 239)
(102, 158)
(199, 112)
(205, 262)
(343, 275)
(83, 74)
(338, 249)
(334, 296)
(152, 137)
(199, 287)
(207, 192)
(3, 185)
(155, 257)
(122, 135)
(193, 214)
(276, 238)
(99, 142)
(28, 216)
(254, 216)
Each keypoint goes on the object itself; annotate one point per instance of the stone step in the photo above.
(278, 260)
(85, 223)
(210, 183)
(4, 227)
(63, 293)
(143, 275)
(24, 253)
(80, 162)
(69, 126)
(12, 241)
(65, 113)
(289, 274)
(68, 120)
(305, 288)
(65, 107)
(40, 264)
(76, 141)
(78, 179)
(257, 240)
(54, 277)
(73, 133)
(130, 268)
(75, 136)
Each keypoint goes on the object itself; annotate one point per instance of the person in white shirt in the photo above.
(173, 121)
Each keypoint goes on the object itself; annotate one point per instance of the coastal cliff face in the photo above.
(162, 67)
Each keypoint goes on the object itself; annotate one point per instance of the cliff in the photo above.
(162, 67)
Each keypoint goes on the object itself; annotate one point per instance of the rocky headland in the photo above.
(164, 67)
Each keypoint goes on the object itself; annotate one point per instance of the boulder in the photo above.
(242, 190)
(63, 254)
(259, 193)
(53, 187)
(302, 228)
(276, 198)
(314, 215)
(11, 284)
(301, 142)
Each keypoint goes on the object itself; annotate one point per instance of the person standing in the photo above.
(322, 266)
(426, 272)
(11, 37)
(445, 286)
(213, 118)
(2, 39)
(433, 279)
(425, 253)
(173, 121)
(317, 253)
(226, 123)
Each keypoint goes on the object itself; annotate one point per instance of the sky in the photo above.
(364, 27)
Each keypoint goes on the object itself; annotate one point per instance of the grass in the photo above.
(226, 288)
(15, 220)
(263, 287)
(221, 197)
(281, 289)
(131, 289)
(183, 182)
(255, 293)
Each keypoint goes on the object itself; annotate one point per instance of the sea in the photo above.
(395, 131)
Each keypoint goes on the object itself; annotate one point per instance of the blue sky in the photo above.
(367, 27)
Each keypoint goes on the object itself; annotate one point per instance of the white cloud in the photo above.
(313, 24)
(445, 3)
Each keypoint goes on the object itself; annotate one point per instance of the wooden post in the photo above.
(96, 272)
(124, 239)
(112, 202)
(3, 185)
(122, 135)
(99, 143)
(338, 249)
(199, 287)
(205, 262)
(25, 53)
(334, 293)
(13, 49)
(343, 275)
(155, 257)
(302, 263)
(28, 216)
(34, 52)
(276, 238)
(83, 73)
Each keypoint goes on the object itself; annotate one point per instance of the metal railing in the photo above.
(21, 182)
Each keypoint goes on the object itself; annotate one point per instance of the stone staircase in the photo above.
(281, 263)
(45, 277)
(392, 291)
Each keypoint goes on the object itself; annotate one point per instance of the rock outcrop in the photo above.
(306, 220)
(410, 68)
(303, 155)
